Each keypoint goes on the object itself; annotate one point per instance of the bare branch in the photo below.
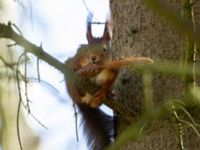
(19, 104)
(7, 32)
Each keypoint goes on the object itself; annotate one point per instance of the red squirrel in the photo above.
(88, 91)
(92, 72)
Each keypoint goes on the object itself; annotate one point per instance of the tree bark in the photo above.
(139, 31)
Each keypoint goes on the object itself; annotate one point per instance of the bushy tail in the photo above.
(98, 127)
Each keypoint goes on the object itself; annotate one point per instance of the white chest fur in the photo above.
(101, 77)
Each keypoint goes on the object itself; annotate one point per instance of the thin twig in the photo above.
(39, 122)
(51, 87)
(19, 104)
(190, 50)
(31, 12)
(89, 11)
(190, 117)
(10, 45)
(38, 69)
(25, 70)
(188, 123)
(7, 64)
(76, 121)
(192, 126)
(179, 128)
(17, 28)
(26, 84)
(21, 3)
(103, 23)
(33, 116)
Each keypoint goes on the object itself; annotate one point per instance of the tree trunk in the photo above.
(139, 31)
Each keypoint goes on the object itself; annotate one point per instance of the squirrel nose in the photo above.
(93, 58)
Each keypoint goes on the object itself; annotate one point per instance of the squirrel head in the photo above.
(98, 50)
(97, 53)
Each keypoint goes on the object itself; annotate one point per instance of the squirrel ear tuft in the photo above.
(107, 35)
(89, 30)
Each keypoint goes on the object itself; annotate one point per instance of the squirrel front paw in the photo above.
(97, 99)
(90, 70)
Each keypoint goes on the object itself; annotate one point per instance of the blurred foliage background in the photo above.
(9, 98)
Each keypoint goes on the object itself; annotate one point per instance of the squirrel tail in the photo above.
(98, 127)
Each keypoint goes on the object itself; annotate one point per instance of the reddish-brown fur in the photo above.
(88, 90)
